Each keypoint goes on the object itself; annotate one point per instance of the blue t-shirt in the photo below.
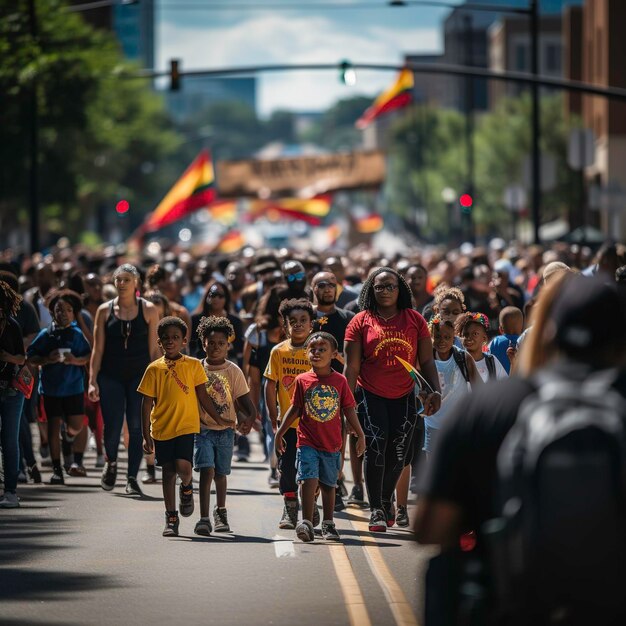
(499, 346)
(57, 379)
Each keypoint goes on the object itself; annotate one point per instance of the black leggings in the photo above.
(388, 425)
(287, 463)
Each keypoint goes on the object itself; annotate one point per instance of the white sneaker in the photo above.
(9, 501)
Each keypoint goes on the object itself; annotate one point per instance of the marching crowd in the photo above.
(183, 359)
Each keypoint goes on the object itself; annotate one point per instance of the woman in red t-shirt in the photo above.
(386, 327)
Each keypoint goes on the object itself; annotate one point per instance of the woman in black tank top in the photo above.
(125, 342)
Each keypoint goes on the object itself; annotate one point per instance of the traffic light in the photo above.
(466, 201)
(347, 75)
(174, 75)
(122, 207)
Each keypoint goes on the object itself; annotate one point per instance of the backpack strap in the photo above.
(491, 366)
(459, 357)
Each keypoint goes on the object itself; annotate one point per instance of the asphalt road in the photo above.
(75, 554)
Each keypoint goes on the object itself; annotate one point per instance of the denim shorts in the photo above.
(214, 448)
(312, 463)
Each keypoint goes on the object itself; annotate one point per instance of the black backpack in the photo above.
(558, 548)
(459, 357)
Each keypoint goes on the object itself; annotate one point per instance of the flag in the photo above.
(310, 210)
(194, 190)
(369, 224)
(397, 96)
(414, 374)
(333, 233)
(223, 211)
(231, 242)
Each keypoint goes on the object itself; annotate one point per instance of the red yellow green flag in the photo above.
(310, 210)
(231, 242)
(397, 96)
(194, 190)
(369, 224)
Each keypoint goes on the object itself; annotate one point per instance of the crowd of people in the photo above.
(288, 344)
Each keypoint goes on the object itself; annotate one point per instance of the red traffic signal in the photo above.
(122, 207)
(466, 201)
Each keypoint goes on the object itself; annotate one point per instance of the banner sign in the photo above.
(308, 175)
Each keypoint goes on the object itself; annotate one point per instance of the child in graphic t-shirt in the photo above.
(319, 399)
(171, 387)
(213, 448)
(287, 360)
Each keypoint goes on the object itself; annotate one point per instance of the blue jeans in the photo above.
(116, 398)
(11, 403)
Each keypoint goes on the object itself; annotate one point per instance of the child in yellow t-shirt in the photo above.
(287, 360)
(171, 387)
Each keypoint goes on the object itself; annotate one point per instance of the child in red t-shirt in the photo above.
(319, 399)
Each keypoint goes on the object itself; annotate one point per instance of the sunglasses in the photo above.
(216, 294)
(292, 278)
(387, 287)
(324, 283)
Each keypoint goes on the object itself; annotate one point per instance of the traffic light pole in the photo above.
(536, 120)
(33, 172)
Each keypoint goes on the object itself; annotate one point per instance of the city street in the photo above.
(77, 555)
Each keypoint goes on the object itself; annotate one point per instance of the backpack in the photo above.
(558, 547)
(491, 366)
(459, 358)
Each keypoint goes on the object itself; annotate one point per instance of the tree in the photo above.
(99, 132)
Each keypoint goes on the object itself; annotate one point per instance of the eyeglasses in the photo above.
(216, 294)
(324, 283)
(388, 287)
(291, 278)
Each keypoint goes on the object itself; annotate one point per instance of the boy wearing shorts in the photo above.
(171, 387)
(213, 447)
(320, 398)
(62, 351)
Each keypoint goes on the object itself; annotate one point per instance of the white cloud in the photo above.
(277, 39)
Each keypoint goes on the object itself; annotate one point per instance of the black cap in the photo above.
(589, 313)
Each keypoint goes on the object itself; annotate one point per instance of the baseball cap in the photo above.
(589, 313)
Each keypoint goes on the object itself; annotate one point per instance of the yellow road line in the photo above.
(399, 605)
(353, 598)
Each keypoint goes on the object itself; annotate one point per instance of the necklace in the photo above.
(126, 328)
(127, 325)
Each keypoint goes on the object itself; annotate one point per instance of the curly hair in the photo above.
(66, 295)
(215, 324)
(320, 334)
(168, 321)
(367, 299)
(450, 293)
(155, 275)
(436, 321)
(465, 319)
(287, 306)
(9, 300)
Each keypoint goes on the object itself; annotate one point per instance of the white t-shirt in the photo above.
(481, 366)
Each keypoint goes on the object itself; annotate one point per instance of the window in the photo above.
(553, 58)
(521, 57)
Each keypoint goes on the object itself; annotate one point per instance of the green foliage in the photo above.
(428, 153)
(97, 129)
(335, 130)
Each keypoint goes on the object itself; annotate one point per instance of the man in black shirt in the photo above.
(330, 319)
(585, 332)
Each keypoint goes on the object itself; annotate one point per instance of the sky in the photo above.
(204, 34)
(204, 39)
